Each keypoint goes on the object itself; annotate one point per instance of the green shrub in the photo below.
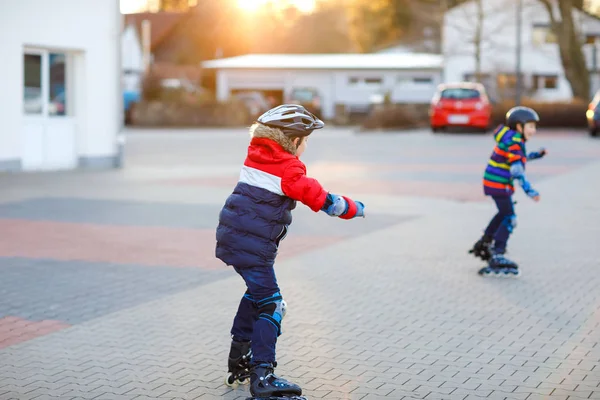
(165, 114)
(564, 114)
(404, 116)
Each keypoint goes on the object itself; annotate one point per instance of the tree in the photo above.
(380, 23)
(375, 23)
(325, 30)
(570, 44)
(472, 33)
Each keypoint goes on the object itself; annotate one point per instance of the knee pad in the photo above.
(272, 309)
(510, 221)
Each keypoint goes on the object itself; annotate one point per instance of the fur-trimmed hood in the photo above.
(262, 131)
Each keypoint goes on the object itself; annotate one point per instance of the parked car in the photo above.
(464, 104)
(307, 97)
(593, 115)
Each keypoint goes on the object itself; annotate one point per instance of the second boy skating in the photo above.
(506, 165)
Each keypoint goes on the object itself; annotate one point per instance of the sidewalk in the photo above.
(392, 308)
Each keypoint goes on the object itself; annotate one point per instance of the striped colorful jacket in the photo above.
(510, 148)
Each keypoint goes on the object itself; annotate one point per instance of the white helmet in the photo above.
(292, 119)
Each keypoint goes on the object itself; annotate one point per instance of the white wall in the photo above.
(499, 40)
(323, 81)
(90, 30)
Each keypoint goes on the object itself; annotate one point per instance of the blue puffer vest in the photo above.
(251, 225)
(256, 216)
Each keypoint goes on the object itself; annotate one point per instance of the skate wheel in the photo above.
(229, 381)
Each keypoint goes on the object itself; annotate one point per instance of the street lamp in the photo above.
(518, 49)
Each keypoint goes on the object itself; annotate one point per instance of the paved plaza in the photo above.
(109, 288)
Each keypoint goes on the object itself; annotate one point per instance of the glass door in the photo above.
(49, 131)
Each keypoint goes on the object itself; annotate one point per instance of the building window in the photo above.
(545, 82)
(364, 81)
(506, 81)
(373, 81)
(57, 86)
(543, 34)
(32, 82)
(423, 80)
(591, 39)
(45, 83)
(551, 82)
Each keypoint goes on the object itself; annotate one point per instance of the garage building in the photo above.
(348, 80)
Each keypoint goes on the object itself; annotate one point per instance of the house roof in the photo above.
(161, 24)
(329, 61)
(398, 48)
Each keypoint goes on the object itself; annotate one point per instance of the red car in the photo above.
(464, 105)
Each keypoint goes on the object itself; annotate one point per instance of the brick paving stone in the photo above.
(392, 308)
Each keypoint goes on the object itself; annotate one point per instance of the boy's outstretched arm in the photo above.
(517, 171)
(296, 185)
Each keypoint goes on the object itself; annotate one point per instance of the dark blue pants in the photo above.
(257, 319)
(503, 223)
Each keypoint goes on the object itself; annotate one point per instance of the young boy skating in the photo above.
(253, 221)
(506, 165)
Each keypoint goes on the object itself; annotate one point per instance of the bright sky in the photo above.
(133, 6)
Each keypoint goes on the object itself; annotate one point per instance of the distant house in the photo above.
(348, 80)
(543, 73)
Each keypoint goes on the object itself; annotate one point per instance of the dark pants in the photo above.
(502, 225)
(258, 317)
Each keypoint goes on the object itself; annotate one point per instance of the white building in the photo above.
(341, 79)
(61, 103)
(543, 73)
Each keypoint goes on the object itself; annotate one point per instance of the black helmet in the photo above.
(293, 119)
(520, 115)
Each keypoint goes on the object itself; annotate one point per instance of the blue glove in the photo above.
(531, 192)
(517, 171)
(335, 205)
(360, 209)
(537, 154)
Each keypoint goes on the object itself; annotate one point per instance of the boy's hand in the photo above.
(360, 209)
(533, 194)
(343, 207)
(537, 154)
(335, 205)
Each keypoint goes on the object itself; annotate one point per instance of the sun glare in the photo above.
(254, 5)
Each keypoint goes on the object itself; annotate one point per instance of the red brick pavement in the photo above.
(148, 246)
(15, 330)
